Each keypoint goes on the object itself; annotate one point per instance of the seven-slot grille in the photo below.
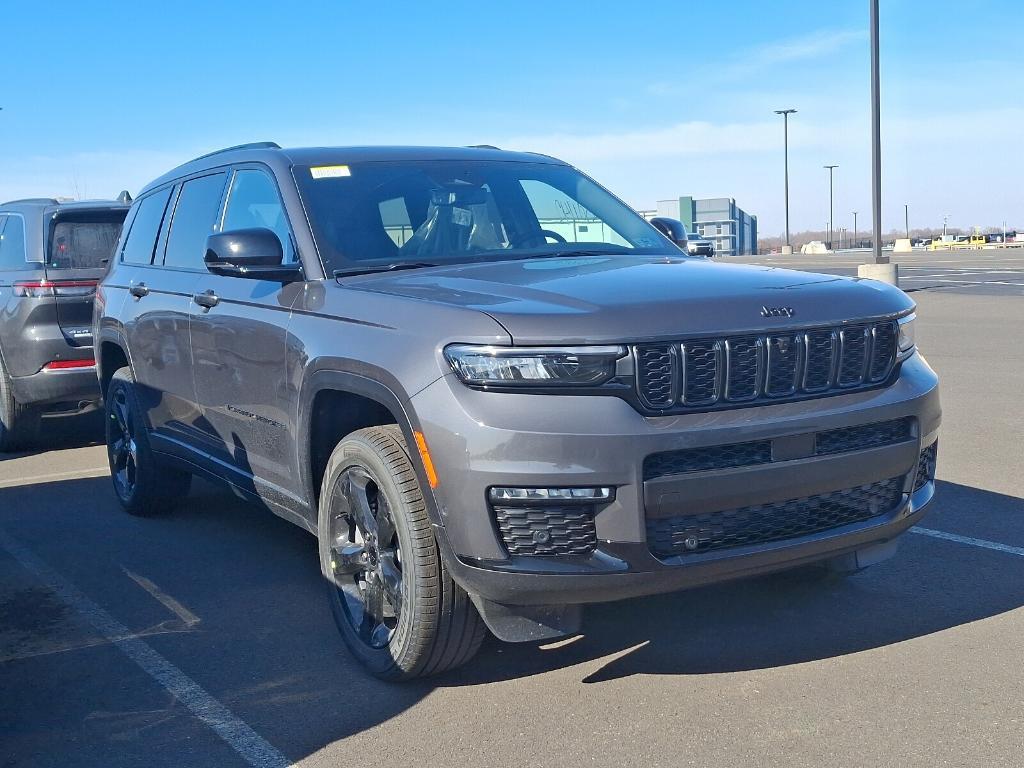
(769, 367)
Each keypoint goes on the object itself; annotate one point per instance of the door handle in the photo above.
(206, 299)
(138, 290)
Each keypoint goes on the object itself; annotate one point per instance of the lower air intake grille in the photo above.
(762, 523)
(926, 466)
(547, 530)
(864, 436)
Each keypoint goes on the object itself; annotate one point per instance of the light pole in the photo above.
(855, 229)
(876, 139)
(945, 218)
(785, 149)
(831, 221)
(906, 218)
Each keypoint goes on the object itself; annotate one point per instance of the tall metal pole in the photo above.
(855, 229)
(906, 218)
(785, 149)
(831, 219)
(876, 140)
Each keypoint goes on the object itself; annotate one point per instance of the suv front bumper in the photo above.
(479, 440)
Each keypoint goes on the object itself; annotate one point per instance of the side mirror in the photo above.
(673, 229)
(254, 253)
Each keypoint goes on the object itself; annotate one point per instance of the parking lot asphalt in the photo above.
(203, 637)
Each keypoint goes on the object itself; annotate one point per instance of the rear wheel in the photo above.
(142, 484)
(19, 424)
(397, 608)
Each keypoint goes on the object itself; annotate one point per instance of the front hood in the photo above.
(599, 299)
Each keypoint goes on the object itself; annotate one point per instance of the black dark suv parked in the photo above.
(495, 393)
(52, 254)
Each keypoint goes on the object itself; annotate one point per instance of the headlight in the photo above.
(533, 366)
(906, 338)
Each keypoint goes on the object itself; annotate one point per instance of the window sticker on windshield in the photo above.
(329, 171)
(462, 217)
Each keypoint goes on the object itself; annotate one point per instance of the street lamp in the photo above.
(785, 148)
(855, 229)
(830, 219)
(876, 139)
(906, 218)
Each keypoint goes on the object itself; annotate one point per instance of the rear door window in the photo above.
(141, 240)
(12, 243)
(195, 215)
(84, 240)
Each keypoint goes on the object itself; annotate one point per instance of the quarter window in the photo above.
(194, 217)
(12, 243)
(254, 202)
(141, 240)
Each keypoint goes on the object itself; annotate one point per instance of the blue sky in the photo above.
(655, 100)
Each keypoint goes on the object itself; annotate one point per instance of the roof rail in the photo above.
(47, 200)
(483, 146)
(250, 145)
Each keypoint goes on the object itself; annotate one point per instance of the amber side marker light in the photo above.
(428, 464)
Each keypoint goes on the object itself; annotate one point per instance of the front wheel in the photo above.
(397, 608)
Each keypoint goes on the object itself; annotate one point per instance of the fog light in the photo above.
(561, 495)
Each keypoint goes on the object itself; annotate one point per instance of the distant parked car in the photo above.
(52, 254)
(697, 245)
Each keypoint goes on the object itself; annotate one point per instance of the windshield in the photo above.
(444, 212)
(84, 240)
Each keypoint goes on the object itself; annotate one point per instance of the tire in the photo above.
(373, 523)
(19, 424)
(142, 484)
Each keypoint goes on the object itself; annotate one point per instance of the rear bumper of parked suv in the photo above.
(747, 515)
(52, 386)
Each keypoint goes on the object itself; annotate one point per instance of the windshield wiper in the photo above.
(370, 269)
(568, 254)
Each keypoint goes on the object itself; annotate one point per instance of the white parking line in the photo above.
(188, 618)
(983, 543)
(250, 746)
(80, 474)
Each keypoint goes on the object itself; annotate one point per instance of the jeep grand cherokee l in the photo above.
(52, 253)
(494, 393)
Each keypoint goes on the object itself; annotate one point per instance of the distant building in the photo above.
(719, 219)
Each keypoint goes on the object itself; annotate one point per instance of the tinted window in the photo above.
(253, 202)
(12, 243)
(194, 217)
(84, 241)
(464, 211)
(138, 247)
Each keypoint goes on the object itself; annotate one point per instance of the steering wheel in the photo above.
(532, 236)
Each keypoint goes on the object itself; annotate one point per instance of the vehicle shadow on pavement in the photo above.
(265, 643)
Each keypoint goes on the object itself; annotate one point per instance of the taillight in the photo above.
(41, 289)
(64, 365)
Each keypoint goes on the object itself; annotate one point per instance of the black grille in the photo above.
(832, 441)
(763, 523)
(926, 463)
(713, 457)
(700, 372)
(744, 369)
(854, 344)
(820, 356)
(718, 372)
(656, 374)
(547, 530)
(864, 436)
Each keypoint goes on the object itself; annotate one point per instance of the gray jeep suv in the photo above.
(52, 254)
(494, 393)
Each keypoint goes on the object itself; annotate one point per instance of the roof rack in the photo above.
(46, 200)
(483, 146)
(250, 145)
